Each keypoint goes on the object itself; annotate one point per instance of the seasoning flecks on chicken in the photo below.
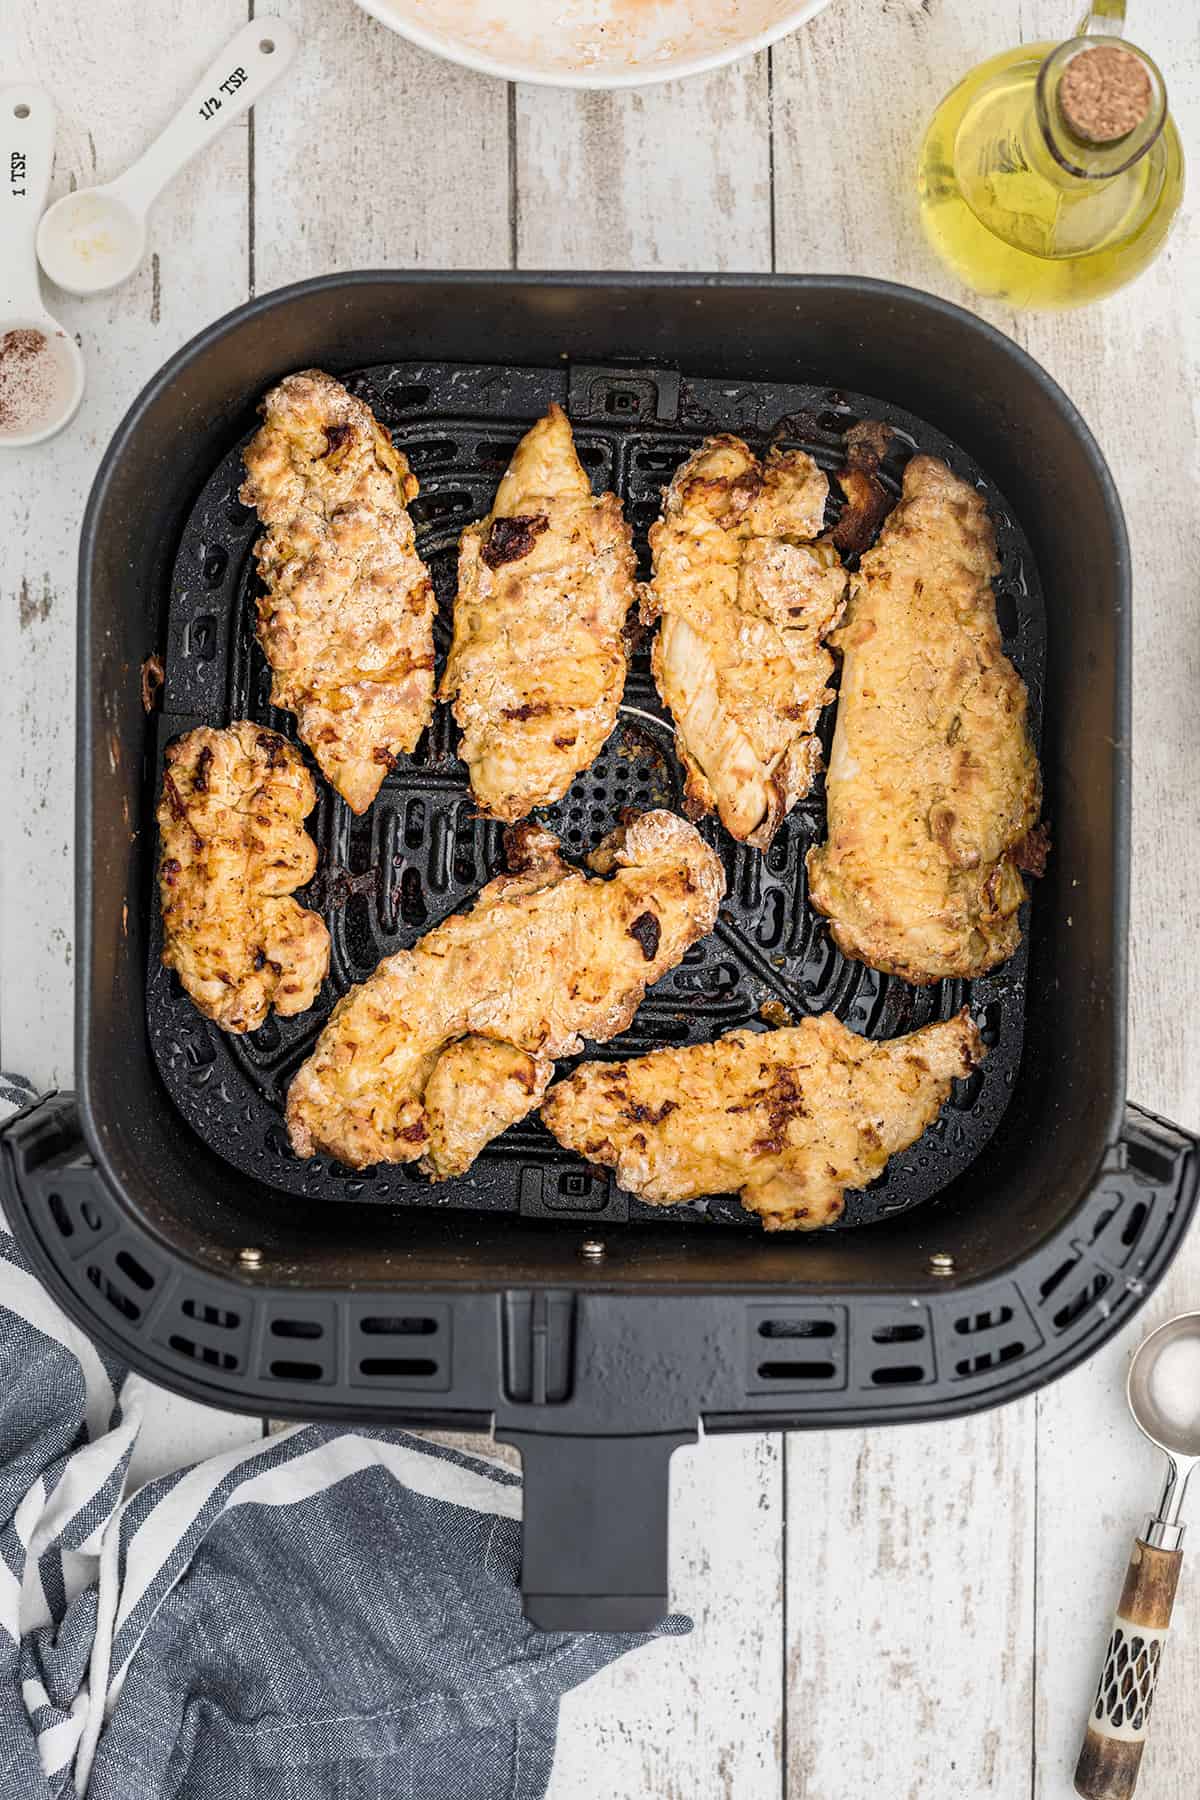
(346, 618)
(746, 601)
(232, 850)
(787, 1119)
(538, 662)
(933, 789)
(448, 1043)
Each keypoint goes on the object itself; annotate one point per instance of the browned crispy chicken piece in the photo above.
(450, 1042)
(746, 600)
(346, 616)
(537, 666)
(933, 790)
(232, 849)
(785, 1119)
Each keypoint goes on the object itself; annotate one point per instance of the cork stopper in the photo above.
(1105, 93)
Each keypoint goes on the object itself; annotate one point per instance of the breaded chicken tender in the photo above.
(538, 662)
(448, 1043)
(746, 600)
(232, 850)
(346, 616)
(787, 1119)
(933, 791)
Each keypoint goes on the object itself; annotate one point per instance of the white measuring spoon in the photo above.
(41, 368)
(93, 240)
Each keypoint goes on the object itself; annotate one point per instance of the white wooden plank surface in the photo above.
(674, 177)
(929, 1572)
(910, 1610)
(378, 156)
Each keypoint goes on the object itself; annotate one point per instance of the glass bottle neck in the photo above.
(1059, 153)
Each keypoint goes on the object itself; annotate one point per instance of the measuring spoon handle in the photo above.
(251, 62)
(27, 121)
(1120, 1716)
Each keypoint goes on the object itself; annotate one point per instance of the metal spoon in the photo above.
(91, 241)
(1164, 1397)
(41, 366)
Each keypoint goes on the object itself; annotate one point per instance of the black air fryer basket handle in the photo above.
(594, 1552)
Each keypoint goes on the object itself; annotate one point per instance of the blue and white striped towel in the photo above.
(325, 1615)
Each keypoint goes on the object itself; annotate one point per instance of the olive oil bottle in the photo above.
(1052, 174)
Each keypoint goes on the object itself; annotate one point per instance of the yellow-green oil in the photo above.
(1010, 221)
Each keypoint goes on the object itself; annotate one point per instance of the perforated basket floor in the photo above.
(420, 853)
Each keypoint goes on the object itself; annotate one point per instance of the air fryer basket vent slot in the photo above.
(1058, 1275)
(983, 1321)
(115, 1295)
(205, 1314)
(285, 1369)
(797, 1328)
(1138, 1214)
(202, 1353)
(60, 1215)
(388, 1368)
(898, 1374)
(420, 852)
(130, 1266)
(797, 1371)
(990, 1359)
(1085, 1298)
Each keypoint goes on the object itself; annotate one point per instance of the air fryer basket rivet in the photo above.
(592, 1250)
(250, 1258)
(941, 1263)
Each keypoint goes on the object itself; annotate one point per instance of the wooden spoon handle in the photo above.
(1120, 1716)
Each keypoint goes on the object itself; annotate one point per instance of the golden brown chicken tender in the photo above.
(479, 1087)
(746, 601)
(232, 849)
(787, 1119)
(450, 1042)
(537, 667)
(346, 616)
(933, 789)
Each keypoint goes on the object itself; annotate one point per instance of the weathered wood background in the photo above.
(914, 1613)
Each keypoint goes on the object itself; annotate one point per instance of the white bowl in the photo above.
(593, 43)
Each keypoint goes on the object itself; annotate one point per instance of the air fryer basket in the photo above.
(161, 1204)
(420, 852)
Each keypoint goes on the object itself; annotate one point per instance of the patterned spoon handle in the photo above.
(1120, 1716)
